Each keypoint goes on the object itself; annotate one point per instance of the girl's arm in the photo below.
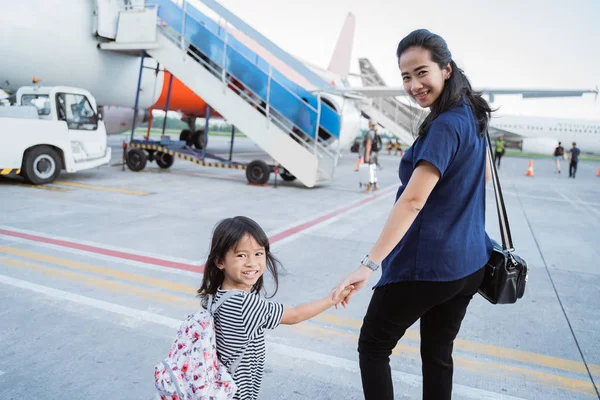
(403, 214)
(293, 315)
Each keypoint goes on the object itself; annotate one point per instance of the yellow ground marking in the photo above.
(344, 322)
(126, 276)
(40, 187)
(102, 188)
(117, 287)
(555, 381)
(485, 367)
(189, 173)
(480, 348)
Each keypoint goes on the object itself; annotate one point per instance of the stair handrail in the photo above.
(284, 122)
(257, 65)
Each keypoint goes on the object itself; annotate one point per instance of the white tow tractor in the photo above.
(50, 129)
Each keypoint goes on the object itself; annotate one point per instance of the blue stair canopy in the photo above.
(287, 98)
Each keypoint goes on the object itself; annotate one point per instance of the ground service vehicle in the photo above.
(49, 129)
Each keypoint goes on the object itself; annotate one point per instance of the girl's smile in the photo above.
(243, 265)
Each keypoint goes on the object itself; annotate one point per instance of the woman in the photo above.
(433, 246)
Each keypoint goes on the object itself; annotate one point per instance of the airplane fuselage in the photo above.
(61, 48)
(541, 135)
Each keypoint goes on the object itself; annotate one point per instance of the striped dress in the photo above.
(240, 324)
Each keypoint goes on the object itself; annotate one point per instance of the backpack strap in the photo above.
(212, 308)
(174, 380)
(236, 363)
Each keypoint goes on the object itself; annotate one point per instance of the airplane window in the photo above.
(41, 102)
(79, 112)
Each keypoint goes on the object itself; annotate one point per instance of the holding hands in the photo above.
(341, 297)
(343, 292)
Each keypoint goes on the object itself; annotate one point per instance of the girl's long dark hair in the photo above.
(226, 235)
(455, 88)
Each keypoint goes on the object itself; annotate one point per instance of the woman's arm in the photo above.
(403, 214)
(406, 209)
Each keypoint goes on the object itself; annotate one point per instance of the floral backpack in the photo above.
(192, 371)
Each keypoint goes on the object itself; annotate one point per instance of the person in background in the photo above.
(499, 150)
(372, 142)
(559, 154)
(573, 160)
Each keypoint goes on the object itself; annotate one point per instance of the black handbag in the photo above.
(505, 272)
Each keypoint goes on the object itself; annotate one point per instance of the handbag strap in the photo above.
(501, 208)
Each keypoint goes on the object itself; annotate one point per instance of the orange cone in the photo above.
(598, 172)
(530, 169)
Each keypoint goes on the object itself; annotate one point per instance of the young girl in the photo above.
(239, 255)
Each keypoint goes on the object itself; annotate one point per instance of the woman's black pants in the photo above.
(441, 306)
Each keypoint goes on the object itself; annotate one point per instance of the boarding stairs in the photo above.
(285, 120)
(398, 118)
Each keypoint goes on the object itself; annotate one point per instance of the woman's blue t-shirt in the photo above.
(447, 241)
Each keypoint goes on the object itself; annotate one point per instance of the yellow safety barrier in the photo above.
(10, 171)
(185, 157)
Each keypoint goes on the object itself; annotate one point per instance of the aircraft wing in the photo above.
(389, 91)
(510, 136)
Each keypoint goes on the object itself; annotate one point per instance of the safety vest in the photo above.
(499, 146)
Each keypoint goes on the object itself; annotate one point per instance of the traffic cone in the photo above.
(598, 172)
(530, 169)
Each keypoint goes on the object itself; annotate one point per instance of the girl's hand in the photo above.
(357, 280)
(342, 296)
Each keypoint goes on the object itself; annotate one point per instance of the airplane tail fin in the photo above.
(342, 54)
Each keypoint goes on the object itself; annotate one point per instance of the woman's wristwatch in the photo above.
(367, 262)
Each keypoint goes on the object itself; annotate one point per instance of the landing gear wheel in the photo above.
(286, 175)
(136, 160)
(41, 165)
(164, 160)
(258, 172)
(186, 136)
(198, 139)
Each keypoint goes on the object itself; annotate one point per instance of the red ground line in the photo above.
(302, 227)
(183, 266)
(107, 252)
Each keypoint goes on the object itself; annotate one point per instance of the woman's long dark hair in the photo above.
(455, 88)
(226, 235)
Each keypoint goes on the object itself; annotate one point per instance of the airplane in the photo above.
(63, 49)
(538, 135)
(52, 55)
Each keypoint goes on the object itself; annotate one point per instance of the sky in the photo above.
(503, 44)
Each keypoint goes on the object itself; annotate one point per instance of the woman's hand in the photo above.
(341, 298)
(358, 279)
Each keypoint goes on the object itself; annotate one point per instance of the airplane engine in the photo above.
(539, 145)
(119, 119)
